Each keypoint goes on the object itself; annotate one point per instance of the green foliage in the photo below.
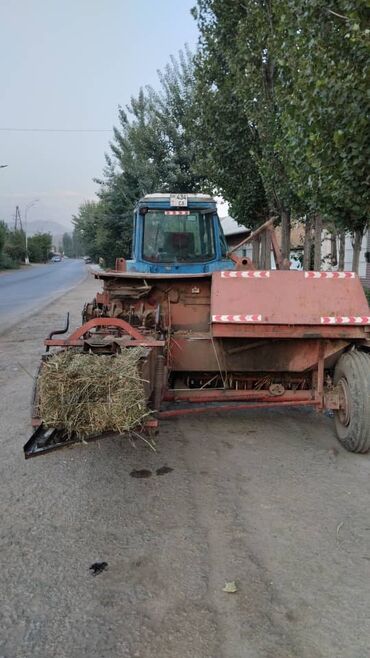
(322, 90)
(101, 232)
(67, 245)
(153, 150)
(236, 70)
(39, 247)
(271, 114)
(71, 245)
(3, 233)
(6, 262)
(225, 137)
(176, 117)
(15, 245)
(77, 246)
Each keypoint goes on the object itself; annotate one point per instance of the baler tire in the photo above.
(352, 372)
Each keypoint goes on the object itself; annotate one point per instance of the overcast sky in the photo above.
(68, 65)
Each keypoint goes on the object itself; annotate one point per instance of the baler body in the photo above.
(224, 337)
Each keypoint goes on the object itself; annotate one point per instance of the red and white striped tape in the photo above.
(326, 319)
(329, 275)
(345, 319)
(245, 274)
(177, 212)
(237, 318)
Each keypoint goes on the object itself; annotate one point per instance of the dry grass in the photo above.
(87, 394)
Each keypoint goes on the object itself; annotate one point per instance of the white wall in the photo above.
(348, 253)
(348, 256)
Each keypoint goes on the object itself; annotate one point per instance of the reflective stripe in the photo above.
(345, 319)
(329, 275)
(245, 274)
(237, 318)
(177, 212)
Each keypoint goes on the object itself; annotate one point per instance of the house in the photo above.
(235, 233)
(364, 263)
(364, 266)
(365, 277)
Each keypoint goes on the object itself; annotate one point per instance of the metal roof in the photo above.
(231, 227)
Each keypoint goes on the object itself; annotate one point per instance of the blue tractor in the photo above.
(178, 234)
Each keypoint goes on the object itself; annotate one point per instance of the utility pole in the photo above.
(30, 205)
(18, 220)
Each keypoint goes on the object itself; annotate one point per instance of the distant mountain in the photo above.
(45, 226)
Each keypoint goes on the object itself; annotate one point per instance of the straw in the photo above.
(86, 393)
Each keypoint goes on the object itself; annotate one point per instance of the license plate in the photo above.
(178, 200)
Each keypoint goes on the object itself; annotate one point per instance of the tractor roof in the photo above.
(166, 195)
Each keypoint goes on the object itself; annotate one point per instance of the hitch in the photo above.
(58, 331)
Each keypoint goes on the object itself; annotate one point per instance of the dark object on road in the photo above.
(98, 567)
(163, 470)
(143, 473)
(221, 335)
(87, 260)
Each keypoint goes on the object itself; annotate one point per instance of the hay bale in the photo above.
(85, 394)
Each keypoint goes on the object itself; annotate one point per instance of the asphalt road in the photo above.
(28, 289)
(266, 498)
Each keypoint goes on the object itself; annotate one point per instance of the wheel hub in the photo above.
(345, 407)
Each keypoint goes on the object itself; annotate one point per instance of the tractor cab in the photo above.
(178, 233)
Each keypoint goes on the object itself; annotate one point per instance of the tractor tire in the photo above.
(352, 421)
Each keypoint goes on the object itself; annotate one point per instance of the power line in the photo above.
(56, 130)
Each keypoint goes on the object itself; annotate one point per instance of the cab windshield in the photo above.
(170, 237)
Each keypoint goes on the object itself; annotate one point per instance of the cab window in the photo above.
(170, 237)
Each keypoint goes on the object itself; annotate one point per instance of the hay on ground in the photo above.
(86, 394)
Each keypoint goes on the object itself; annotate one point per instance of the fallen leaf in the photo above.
(230, 587)
(339, 527)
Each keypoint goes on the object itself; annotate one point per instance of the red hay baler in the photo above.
(233, 339)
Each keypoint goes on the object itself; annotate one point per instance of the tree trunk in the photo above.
(342, 245)
(263, 250)
(333, 250)
(285, 233)
(356, 244)
(307, 244)
(267, 263)
(318, 231)
(256, 252)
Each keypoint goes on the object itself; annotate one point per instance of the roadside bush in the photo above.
(3, 234)
(39, 247)
(7, 263)
(15, 245)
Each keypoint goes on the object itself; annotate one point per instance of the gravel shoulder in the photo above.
(266, 498)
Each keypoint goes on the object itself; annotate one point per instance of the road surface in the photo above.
(28, 289)
(266, 498)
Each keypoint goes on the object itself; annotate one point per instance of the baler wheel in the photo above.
(352, 420)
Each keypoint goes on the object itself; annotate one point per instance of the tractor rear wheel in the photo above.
(352, 420)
